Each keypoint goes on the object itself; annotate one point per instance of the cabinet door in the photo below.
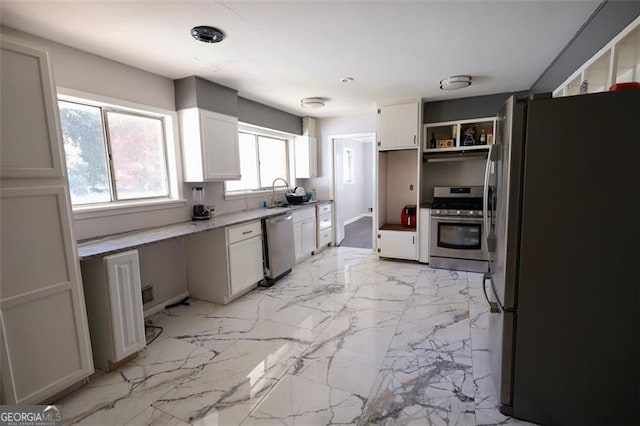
(220, 146)
(44, 344)
(397, 244)
(308, 236)
(297, 240)
(306, 156)
(245, 264)
(125, 303)
(398, 126)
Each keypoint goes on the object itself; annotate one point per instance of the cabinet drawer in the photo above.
(242, 232)
(324, 221)
(324, 208)
(304, 214)
(324, 236)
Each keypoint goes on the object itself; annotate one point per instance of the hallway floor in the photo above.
(359, 234)
(345, 338)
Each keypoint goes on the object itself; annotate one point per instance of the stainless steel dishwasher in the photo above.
(279, 254)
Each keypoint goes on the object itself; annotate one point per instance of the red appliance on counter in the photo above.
(408, 216)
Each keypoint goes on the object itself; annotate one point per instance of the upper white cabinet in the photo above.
(45, 345)
(114, 301)
(617, 62)
(306, 150)
(398, 126)
(210, 145)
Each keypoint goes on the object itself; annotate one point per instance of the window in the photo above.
(262, 160)
(113, 154)
(347, 164)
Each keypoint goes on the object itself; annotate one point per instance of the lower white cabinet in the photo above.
(224, 263)
(324, 224)
(425, 235)
(113, 292)
(397, 244)
(304, 232)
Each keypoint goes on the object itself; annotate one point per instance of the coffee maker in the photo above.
(200, 212)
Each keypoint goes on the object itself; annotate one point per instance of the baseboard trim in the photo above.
(160, 307)
(353, 219)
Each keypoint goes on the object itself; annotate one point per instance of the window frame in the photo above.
(169, 120)
(257, 132)
(348, 159)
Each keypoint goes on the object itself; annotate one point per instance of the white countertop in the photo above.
(133, 239)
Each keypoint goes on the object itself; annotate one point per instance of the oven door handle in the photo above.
(485, 194)
(457, 219)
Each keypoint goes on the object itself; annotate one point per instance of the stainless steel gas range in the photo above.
(457, 225)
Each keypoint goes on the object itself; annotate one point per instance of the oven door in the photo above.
(457, 237)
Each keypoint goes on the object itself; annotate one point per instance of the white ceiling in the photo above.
(280, 52)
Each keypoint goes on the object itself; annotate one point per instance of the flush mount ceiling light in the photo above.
(207, 34)
(455, 82)
(346, 79)
(312, 103)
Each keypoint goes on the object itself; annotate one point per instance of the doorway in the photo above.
(353, 189)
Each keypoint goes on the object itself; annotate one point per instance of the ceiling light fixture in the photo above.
(207, 34)
(312, 103)
(346, 79)
(455, 82)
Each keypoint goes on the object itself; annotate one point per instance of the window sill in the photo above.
(125, 207)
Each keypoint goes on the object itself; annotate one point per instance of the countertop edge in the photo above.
(130, 240)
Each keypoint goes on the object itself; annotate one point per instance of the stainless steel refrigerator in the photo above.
(563, 233)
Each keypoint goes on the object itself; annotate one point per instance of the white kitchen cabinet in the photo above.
(209, 145)
(224, 263)
(425, 233)
(306, 157)
(304, 232)
(44, 344)
(113, 293)
(398, 126)
(397, 244)
(324, 214)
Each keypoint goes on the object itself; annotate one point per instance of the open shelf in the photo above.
(396, 227)
(456, 136)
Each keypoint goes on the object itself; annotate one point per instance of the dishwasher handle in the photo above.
(281, 218)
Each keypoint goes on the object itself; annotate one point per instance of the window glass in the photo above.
(84, 148)
(273, 160)
(348, 165)
(248, 164)
(113, 155)
(137, 151)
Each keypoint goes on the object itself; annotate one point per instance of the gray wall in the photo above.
(465, 108)
(195, 91)
(607, 21)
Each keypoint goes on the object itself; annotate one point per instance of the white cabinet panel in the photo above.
(245, 264)
(30, 127)
(210, 145)
(398, 126)
(397, 244)
(45, 345)
(125, 303)
(304, 232)
(324, 237)
(308, 236)
(297, 240)
(425, 230)
(306, 157)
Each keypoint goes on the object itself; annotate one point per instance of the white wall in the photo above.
(334, 126)
(356, 193)
(368, 150)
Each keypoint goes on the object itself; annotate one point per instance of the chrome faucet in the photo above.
(273, 189)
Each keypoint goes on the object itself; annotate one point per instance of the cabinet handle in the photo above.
(246, 232)
(414, 139)
(414, 239)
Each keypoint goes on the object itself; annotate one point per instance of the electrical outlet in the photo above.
(370, 209)
(147, 294)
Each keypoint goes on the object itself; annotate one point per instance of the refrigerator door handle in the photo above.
(485, 194)
(494, 307)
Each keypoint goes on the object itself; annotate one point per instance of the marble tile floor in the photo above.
(345, 338)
